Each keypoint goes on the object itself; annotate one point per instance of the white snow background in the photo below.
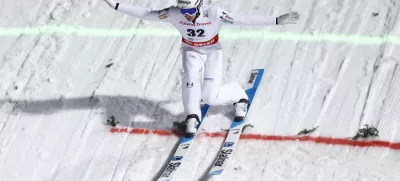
(58, 89)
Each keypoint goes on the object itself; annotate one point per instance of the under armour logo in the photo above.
(189, 85)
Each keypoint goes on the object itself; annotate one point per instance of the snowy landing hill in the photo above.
(66, 66)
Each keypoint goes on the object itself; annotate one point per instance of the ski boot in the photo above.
(192, 123)
(241, 109)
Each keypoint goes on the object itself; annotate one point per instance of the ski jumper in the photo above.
(201, 51)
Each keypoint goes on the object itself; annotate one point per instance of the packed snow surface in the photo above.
(57, 90)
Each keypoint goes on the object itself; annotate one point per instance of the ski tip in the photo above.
(218, 172)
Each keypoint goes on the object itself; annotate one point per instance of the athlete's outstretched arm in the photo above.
(139, 12)
(255, 20)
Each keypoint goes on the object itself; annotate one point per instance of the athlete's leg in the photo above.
(212, 91)
(191, 89)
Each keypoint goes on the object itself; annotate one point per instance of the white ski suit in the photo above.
(201, 50)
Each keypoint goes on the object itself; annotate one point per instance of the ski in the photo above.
(181, 151)
(236, 127)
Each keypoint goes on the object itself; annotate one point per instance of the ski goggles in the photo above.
(190, 11)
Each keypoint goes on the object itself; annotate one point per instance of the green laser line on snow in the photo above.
(230, 34)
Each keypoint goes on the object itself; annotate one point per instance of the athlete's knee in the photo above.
(209, 97)
(190, 76)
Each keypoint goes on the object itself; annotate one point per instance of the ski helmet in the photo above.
(186, 4)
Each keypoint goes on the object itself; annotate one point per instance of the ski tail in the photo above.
(181, 152)
(236, 127)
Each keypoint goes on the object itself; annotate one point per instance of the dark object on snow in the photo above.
(180, 126)
(247, 126)
(375, 14)
(109, 65)
(112, 121)
(306, 131)
(366, 132)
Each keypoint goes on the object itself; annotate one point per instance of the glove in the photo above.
(288, 18)
(111, 3)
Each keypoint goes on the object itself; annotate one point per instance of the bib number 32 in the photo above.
(195, 33)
